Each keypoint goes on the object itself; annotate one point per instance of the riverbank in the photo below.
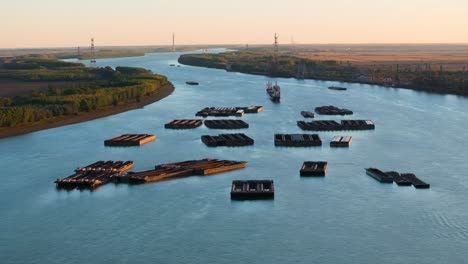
(393, 74)
(163, 92)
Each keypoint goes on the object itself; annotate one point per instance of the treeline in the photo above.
(95, 89)
(440, 81)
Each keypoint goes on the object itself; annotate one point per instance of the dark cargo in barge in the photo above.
(314, 168)
(252, 190)
(297, 140)
(379, 175)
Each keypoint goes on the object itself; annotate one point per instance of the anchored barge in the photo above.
(192, 83)
(332, 110)
(357, 124)
(229, 111)
(417, 183)
(226, 124)
(337, 88)
(339, 141)
(320, 125)
(229, 140)
(379, 175)
(297, 140)
(331, 125)
(94, 175)
(184, 124)
(129, 140)
(307, 114)
(403, 179)
(182, 169)
(252, 190)
(314, 168)
(400, 181)
(274, 91)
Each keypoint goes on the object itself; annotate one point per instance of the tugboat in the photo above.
(274, 91)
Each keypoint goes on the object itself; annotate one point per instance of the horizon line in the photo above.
(241, 44)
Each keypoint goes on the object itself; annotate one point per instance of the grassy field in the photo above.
(449, 56)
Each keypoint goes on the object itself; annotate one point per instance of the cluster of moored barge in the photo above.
(102, 172)
(401, 179)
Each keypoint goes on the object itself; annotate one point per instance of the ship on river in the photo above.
(274, 91)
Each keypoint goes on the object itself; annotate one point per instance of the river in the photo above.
(345, 217)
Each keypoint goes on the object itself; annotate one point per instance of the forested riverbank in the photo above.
(70, 92)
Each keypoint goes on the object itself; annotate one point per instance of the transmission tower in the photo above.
(275, 50)
(274, 63)
(173, 42)
(93, 54)
(78, 53)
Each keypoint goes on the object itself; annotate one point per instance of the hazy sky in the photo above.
(65, 23)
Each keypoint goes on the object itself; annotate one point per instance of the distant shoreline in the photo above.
(244, 68)
(165, 91)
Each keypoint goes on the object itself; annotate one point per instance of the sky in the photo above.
(65, 23)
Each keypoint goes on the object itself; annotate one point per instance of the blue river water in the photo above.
(345, 217)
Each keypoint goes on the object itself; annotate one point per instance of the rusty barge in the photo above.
(128, 140)
(94, 175)
(184, 124)
(180, 170)
(339, 141)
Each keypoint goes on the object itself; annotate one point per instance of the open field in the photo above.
(449, 56)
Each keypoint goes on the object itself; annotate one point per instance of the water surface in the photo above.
(346, 217)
